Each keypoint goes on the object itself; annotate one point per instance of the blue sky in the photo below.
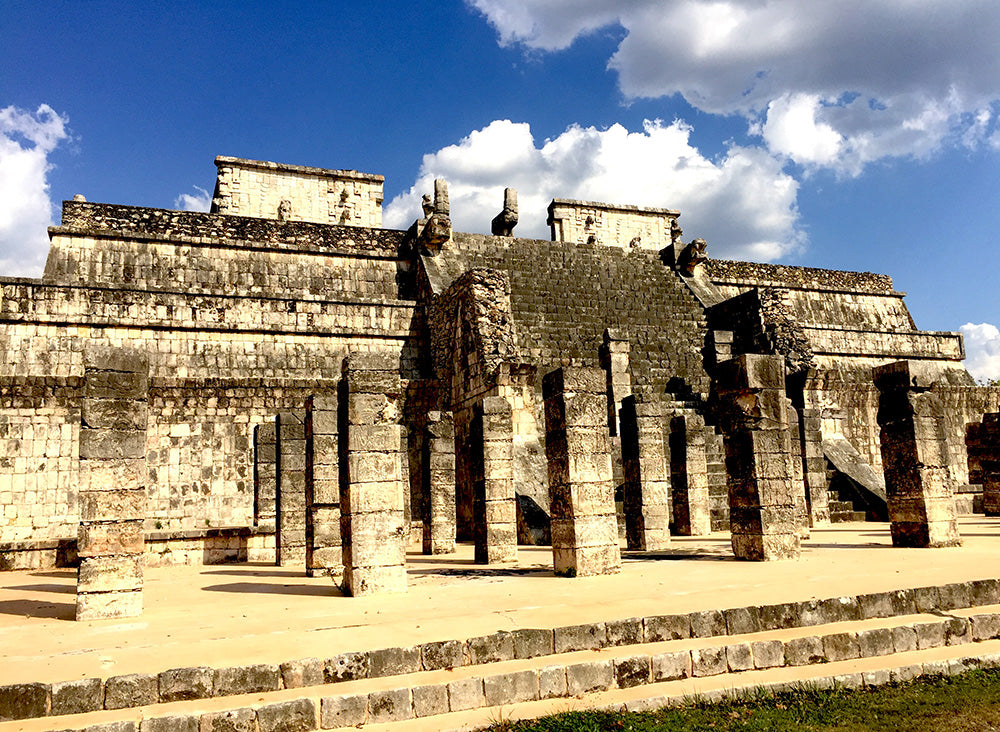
(860, 135)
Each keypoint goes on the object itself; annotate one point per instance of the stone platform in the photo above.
(235, 621)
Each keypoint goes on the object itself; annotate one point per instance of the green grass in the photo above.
(950, 704)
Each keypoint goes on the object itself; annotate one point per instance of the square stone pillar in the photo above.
(265, 476)
(614, 354)
(814, 462)
(764, 513)
(647, 475)
(581, 490)
(690, 511)
(439, 503)
(915, 457)
(494, 504)
(290, 528)
(373, 529)
(322, 487)
(982, 441)
(112, 486)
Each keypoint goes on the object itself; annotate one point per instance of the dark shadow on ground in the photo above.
(61, 589)
(261, 588)
(485, 572)
(38, 609)
(264, 571)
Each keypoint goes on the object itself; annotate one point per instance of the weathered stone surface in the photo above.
(532, 642)
(24, 701)
(841, 646)
(804, 651)
(875, 642)
(658, 628)
(347, 667)
(77, 697)
(768, 654)
(465, 694)
(232, 720)
(551, 682)
(304, 672)
(626, 632)
(180, 684)
(441, 654)
(670, 666)
(632, 671)
(738, 657)
(510, 688)
(246, 679)
(579, 637)
(430, 700)
(584, 678)
(393, 661)
(708, 661)
(985, 626)
(131, 690)
(707, 624)
(173, 723)
(298, 715)
(930, 635)
(350, 710)
(393, 705)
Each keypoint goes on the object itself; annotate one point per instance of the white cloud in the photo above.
(879, 77)
(982, 350)
(742, 203)
(200, 201)
(26, 141)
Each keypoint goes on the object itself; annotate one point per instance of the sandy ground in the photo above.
(236, 614)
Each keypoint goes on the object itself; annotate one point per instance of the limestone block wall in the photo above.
(610, 224)
(292, 235)
(196, 266)
(39, 461)
(257, 188)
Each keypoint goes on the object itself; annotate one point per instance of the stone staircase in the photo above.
(842, 508)
(636, 663)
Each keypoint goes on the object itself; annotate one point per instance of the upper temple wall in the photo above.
(256, 188)
(611, 225)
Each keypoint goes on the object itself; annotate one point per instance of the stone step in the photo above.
(648, 673)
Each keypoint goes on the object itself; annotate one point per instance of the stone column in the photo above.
(265, 476)
(647, 478)
(581, 490)
(614, 355)
(439, 503)
(372, 525)
(322, 487)
(689, 475)
(494, 504)
(112, 485)
(810, 422)
(915, 457)
(290, 529)
(982, 442)
(989, 462)
(798, 471)
(763, 512)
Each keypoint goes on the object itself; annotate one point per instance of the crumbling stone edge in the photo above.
(34, 699)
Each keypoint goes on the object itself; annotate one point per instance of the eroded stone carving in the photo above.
(505, 221)
(437, 230)
(691, 256)
(285, 210)
(427, 204)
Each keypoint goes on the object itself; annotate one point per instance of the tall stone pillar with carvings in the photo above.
(581, 489)
(763, 510)
(915, 457)
(112, 484)
(372, 526)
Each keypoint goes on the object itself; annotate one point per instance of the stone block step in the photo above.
(896, 649)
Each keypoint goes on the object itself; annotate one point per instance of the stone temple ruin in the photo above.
(284, 380)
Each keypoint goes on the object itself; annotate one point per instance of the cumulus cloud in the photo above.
(26, 141)
(742, 203)
(200, 201)
(982, 350)
(838, 85)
